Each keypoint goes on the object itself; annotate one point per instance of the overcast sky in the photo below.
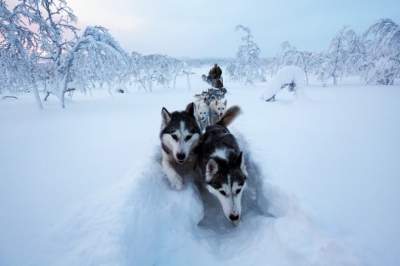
(199, 28)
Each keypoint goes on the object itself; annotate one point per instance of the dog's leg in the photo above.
(175, 180)
(206, 123)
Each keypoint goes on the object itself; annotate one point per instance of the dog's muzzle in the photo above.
(180, 157)
(235, 218)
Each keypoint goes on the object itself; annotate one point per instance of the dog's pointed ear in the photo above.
(240, 162)
(239, 159)
(166, 116)
(190, 108)
(211, 169)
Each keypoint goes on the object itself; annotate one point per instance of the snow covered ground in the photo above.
(80, 186)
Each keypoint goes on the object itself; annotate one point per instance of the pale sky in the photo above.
(201, 28)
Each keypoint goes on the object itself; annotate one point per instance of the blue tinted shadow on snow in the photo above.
(167, 227)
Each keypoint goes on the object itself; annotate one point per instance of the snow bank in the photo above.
(285, 75)
(141, 221)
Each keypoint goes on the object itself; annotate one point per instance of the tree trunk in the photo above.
(64, 89)
(306, 77)
(37, 97)
(174, 83)
(188, 82)
(62, 98)
(36, 92)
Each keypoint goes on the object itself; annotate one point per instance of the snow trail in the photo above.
(141, 221)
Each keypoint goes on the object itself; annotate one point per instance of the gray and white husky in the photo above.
(222, 165)
(179, 135)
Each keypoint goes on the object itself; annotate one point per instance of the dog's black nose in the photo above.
(180, 156)
(234, 217)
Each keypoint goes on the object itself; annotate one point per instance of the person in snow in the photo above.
(215, 77)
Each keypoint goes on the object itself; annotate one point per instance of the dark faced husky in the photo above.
(179, 135)
(222, 165)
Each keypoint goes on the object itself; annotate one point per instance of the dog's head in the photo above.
(218, 107)
(202, 111)
(180, 133)
(226, 180)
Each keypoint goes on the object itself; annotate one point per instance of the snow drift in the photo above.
(285, 75)
(141, 221)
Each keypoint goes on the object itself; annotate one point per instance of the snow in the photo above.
(81, 186)
(285, 75)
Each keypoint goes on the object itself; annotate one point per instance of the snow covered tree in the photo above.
(346, 56)
(54, 23)
(156, 69)
(96, 58)
(18, 45)
(382, 41)
(336, 57)
(289, 55)
(290, 77)
(133, 70)
(356, 53)
(284, 56)
(247, 66)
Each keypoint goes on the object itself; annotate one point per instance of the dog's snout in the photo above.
(234, 217)
(180, 156)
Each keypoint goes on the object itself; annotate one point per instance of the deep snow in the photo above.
(80, 186)
(285, 75)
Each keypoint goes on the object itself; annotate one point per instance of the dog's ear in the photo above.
(211, 169)
(240, 162)
(190, 108)
(239, 159)
(166, 116)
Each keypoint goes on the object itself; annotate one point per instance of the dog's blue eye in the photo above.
(188, 137)
(175, 137)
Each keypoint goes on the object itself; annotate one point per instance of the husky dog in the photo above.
(217, 110)
(222, 166)
(202, 114)
(179, 135)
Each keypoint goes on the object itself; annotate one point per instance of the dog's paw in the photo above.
(176, 183)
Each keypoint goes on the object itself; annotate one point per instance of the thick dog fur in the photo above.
(202, 114)
(179, 135)
(217, 110)
(222, 166)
